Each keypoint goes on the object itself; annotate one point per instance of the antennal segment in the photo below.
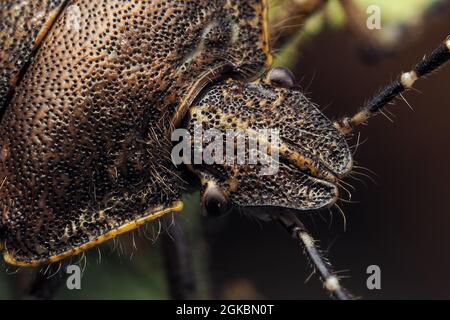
(406, 81)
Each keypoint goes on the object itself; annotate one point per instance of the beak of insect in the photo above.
(214, 202)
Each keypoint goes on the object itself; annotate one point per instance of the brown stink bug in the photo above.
(91, 91)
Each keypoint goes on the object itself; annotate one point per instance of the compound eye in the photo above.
(281, 77)
(215, 202)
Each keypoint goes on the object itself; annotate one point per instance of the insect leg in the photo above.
(406, 81)
(290, 19)
(45, 287)
(329, 278)
(178, 262)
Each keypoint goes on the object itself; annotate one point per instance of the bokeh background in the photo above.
(400, 222)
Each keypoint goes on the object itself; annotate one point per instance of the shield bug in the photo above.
(91, 92)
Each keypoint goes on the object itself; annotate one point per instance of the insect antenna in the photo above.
(406, 81)
(329, 278)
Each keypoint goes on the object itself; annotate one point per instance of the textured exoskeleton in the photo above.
(90, 92)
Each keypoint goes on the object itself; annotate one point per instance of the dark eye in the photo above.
(281, 77)
(214, 202)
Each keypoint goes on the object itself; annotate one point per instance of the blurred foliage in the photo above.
(127, 273)
(392, 13)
